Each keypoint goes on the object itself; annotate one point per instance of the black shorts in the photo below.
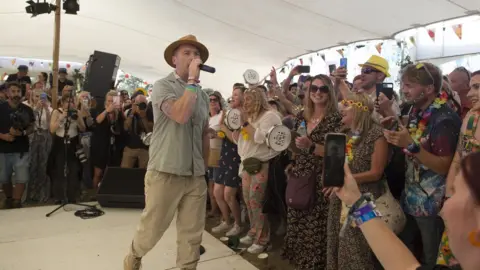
(228, 176)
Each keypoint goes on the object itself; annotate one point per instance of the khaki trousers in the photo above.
(130, 156)
(164, 195)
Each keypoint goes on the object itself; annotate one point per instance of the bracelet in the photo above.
(366, 217)
(192, 88)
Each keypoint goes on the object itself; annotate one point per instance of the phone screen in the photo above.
(43, 96)
(304, 69)
(334, 160)
(332, 68)
(343, 62)
(116, 101)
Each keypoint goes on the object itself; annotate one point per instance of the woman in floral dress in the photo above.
(367, 154)
(305, 240)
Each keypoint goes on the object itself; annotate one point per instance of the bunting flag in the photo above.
(127, 76)
(431, 34)
(399, 44)
(69, 66)
(282, 70)
(49, 64)
(311, 60)
(14, 60)
(323, 56)
(379, 47)
(84, 68)
(359, 46)
(412, 40)
(458, 30)
(31, 63)
(340, 52)
(301, 61)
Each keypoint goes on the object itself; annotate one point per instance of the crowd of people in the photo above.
(410, 191)
(57, 154)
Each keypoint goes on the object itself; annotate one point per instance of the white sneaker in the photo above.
(223, 227)
(246, 240)
(256, 249)
(235, 230)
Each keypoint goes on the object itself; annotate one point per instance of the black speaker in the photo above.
(101, 73)
(122, 188)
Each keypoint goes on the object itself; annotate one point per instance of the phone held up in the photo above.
(116, 101)
(334, 160)
(304, 69)
(332, 68)
(386, 89)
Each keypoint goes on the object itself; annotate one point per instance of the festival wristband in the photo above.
(413, 148)
(366, 217)
(192, 88)
(363, 210)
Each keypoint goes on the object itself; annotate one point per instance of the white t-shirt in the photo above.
(257, 147)
(214, 123)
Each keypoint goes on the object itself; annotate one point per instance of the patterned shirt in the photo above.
(424, 188)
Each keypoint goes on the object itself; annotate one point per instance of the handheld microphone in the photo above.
(206, 68)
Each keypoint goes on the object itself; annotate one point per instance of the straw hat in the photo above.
(189, 39)
(378, 63)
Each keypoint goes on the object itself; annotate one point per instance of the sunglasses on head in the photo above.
(368, 70)
(420, 66)
(323, 89)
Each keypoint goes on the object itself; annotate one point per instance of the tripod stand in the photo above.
(66, 143)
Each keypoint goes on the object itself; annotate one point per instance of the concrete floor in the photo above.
(30, 241)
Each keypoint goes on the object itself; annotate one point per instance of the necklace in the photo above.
(419, 119)
(350, 145)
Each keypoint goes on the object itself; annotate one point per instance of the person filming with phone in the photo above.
(16, 123)
(38, 190)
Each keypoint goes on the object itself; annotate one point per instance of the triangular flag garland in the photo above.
(282, 70)
(301, 61)
(431, 34)
(340, 52)
(323, 56)
(379, 47)
(458, 30)
(412, 40)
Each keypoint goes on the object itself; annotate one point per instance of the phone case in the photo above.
(334, 160)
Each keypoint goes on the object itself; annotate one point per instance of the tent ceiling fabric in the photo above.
(240, 34)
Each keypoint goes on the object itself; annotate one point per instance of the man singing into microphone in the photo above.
(178, 153)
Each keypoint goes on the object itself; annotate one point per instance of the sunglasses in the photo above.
(368, 71)
(323, 89)
(420, 66)
(213, 100)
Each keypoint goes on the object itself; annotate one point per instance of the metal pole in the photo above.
(56, 54)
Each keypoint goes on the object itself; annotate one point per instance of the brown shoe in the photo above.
(132, 263)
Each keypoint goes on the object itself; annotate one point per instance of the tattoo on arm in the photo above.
(167, 107)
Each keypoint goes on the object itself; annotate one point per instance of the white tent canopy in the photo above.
(240, 34)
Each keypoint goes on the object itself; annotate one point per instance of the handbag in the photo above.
(300, 193)
(252, 165)
(214, 158)
(389, 207)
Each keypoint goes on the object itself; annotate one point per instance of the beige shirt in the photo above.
(257, 147)
(175, 148)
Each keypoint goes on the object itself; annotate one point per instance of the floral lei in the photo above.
(350, 144)
(417, 126)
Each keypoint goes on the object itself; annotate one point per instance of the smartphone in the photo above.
(116, 101)
(332, 68)
(304, 69)
(334, 160)
(343, 62)
(43, 96)
(386, 89)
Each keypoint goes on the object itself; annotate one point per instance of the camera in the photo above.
(80, 153)
(142, 106)
(20, 119)
(73, 114)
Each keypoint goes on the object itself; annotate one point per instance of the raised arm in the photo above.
(180, 109)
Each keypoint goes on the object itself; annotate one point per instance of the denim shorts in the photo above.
(18, 163)
(213, 173)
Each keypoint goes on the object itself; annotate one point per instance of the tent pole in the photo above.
(56, 54)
